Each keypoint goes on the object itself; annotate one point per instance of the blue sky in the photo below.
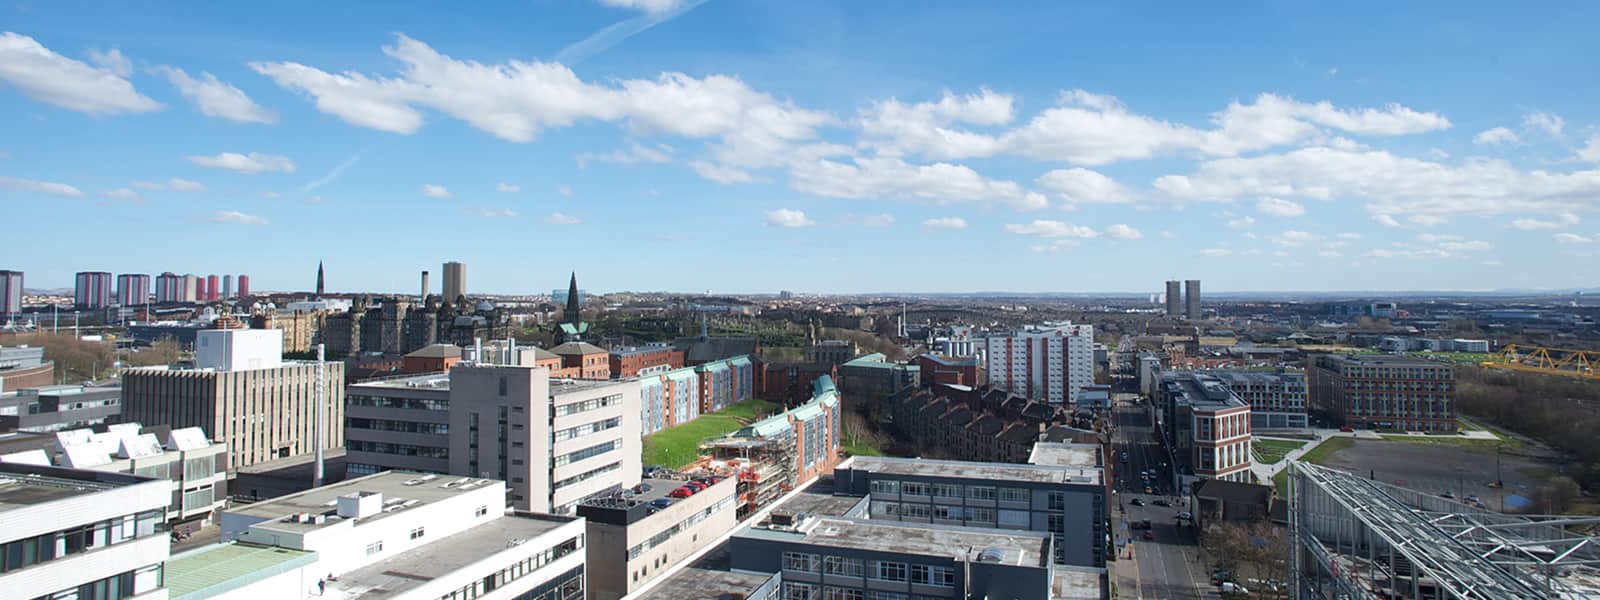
(817, 146)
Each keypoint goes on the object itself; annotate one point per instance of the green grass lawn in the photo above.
(1271, 451)
(679, 446)
(1456, 440)
(1456, 357)
(859, 449)
(1318, 455)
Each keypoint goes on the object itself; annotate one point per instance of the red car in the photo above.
(683, 492)
(1346, 429)
(1149, 535)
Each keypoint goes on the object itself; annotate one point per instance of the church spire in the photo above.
(319, 279)
(573, 313)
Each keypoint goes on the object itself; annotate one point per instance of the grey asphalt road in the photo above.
(1168, 565)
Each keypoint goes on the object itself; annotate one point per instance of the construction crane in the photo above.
(1550, 361)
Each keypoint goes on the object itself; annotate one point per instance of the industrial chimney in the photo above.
(424, 287)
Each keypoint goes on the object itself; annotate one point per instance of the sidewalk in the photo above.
(1125, 572)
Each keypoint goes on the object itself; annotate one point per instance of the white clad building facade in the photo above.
(69, 533)
(1051, 362)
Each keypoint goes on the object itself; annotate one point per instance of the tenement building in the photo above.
(1384, 392)
(243, 394)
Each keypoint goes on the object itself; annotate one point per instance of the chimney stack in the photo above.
(424, 286)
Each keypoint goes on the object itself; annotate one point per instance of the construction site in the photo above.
(1359, 538)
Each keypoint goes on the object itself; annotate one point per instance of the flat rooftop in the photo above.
(695, 583)
(998, 472)
(209, 570)
(1075, 583)
(426, 381)
(1385, 360)
(1057, 454)
(398, 574)
(397, 487)
(1021, 548)
(26, 485)
(817, 499)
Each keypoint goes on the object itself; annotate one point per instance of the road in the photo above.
(1169, 566)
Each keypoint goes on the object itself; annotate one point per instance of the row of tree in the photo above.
(78, 360)
(1563, 412)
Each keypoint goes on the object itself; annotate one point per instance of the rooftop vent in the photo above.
(360, 505)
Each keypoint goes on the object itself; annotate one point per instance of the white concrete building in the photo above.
(394, 534)
(69, 533)
(1050, 362)
(238, 349)
(195, 468)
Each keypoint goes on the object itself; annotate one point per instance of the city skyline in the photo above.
(1033, 148)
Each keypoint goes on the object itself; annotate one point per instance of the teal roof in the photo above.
(739, 361)
(714, 366)
(863, 360)
(807, 412)
(767, 427)
(822, 385)
(211, 570)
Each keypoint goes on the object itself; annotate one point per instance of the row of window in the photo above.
(396, 449)
(116, 587)
(881, 570)
(524, 568)
(979, 515)
(661, 537)
(587, 475)
(400, 426)
(588, 405)
(890, 487)
(407, 403)
(587, 453)
(586, 429)
(46, 547)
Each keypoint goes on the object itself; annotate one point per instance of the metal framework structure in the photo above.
(1358, 538)
(1550, 361)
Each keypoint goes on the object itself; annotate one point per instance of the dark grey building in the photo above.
(58, 407)
(1174, 298)
(1066, 502)
(1191, 299)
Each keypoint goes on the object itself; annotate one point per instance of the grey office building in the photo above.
(1067, 502)
(1191, 299)
(1174, 298)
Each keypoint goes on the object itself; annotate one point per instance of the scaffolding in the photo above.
(1358, 538)
(766, 466)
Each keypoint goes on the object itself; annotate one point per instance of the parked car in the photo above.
(1474, 499)
(1159, 502)
(1347, 429)
(682, 492)
(1136, 502)
(1448, 494)
(661, 503)
(1149, 535)
(1218, 576)
(1186, 515)
(1229, 587)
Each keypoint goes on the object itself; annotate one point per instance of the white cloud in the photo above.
(883, 220)
(1052, 229)
(1215, 252)
(565, 190)
(1561, 220)
(435, 191)
(945, 223)
(1349, 236)
(271, 195)
(1122, 231)
(1169, 235)
(895, 128)
(1330, 254)
(1571, 238)
(1391, 185)
(1244, 222)
(1295, 238)
(123, 194)
(233, 217)
(563, 219)
(42, 187)
(517, 100)
(332, 175)
(1547, 122)
(1092, 129)
(251, 163)
(1083, 186)
(646, 6)
(175, 185)
(892, 178)
(635, 153)
(785, 217)
(1055, 246)
(216, 98)
(112, 61)
(721, 173)
(1497, 135)
(507, 188)
(1590, 151)
(1279, 207)
(1427, 220)
(1466, 246)
(1385, 220)
(493, 213)
(314, 199)
(46, 76)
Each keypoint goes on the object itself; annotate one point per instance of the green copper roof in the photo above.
(215, 569)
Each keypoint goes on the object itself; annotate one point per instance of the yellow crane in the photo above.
(1550, 361)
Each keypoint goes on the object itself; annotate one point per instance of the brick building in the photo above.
(634, 361)
(1387, 392)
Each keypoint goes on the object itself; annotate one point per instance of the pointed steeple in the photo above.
(573, 312)
(319, 279)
